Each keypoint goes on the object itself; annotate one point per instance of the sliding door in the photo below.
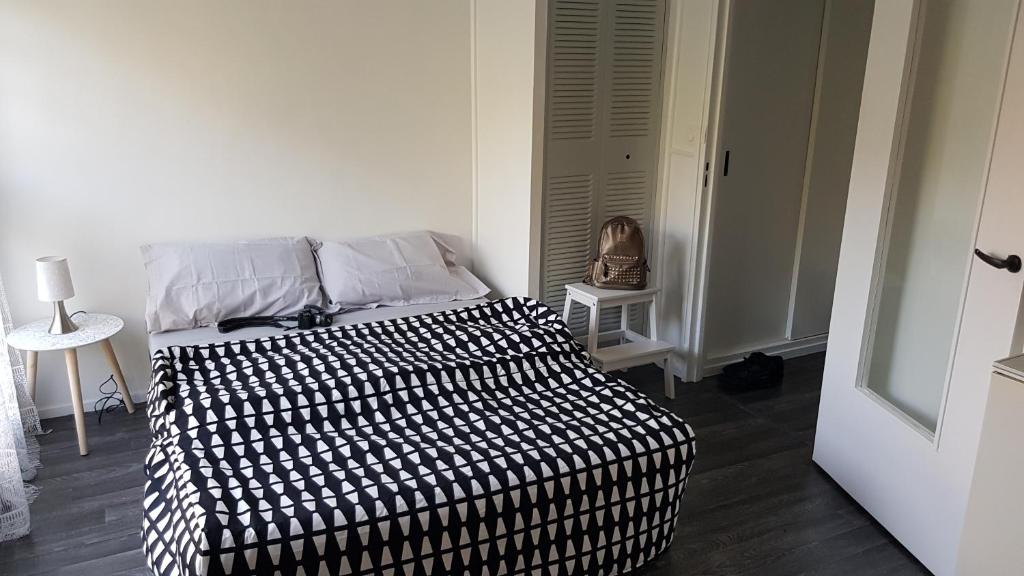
(771, 63)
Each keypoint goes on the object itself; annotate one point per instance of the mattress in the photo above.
(209, 334)
(479, 440)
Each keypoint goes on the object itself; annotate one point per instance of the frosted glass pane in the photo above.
(934, 208)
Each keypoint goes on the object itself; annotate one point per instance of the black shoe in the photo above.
(757, 372)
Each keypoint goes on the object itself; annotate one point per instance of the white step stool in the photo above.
(637, 349)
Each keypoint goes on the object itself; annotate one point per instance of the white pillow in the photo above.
(394, 270)
(192, 285)
(451, 247)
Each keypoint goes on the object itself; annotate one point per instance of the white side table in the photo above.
(35, 337)
(637, 349)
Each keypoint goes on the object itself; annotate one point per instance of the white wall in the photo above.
(508, 115)
(124, 122)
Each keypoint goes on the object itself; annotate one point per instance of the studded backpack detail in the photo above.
(620, 261)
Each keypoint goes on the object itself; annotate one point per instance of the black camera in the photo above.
(312, 317)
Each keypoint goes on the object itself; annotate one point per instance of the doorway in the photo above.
(791, 84)
(931, 173)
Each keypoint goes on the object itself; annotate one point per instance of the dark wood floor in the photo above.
(755, 503)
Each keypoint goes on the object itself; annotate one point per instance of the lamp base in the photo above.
(61, 323)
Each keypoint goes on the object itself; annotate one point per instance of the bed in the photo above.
(472, 440)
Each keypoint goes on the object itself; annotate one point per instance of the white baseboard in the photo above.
(784, 348)
(58, 410)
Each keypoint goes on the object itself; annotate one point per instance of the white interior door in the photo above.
(917, 319)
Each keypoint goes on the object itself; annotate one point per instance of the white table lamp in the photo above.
(53, 283)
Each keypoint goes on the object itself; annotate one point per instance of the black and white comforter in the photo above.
(471, 441)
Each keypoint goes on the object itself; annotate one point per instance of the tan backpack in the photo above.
(620, 261)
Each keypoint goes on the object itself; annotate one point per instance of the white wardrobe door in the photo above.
(630, 124)
(572, 146)
(632, 113)
(766, 119)
(604, 87)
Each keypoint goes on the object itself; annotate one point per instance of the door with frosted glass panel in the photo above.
(917, 318)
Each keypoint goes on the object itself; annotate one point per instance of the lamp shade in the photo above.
(53, 279)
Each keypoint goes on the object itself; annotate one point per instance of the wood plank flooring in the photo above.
(755, 503)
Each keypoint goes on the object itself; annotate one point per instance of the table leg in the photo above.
(31, 359)
(71, 358)
(108, 351)
(652, 309)
(623, 321)
(670, 380)
(595, 325)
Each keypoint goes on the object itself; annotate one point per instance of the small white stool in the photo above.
(637, 349)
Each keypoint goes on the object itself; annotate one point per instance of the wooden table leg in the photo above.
(108, 351)
(31, 359)
(71, 357)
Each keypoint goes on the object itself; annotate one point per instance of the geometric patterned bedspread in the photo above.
(479, 440)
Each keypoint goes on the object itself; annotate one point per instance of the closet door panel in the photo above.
(604, 88)
(572, 149)
(628, 193)
(768, 96)
(568, 209)
(634, 69)
(632, 89)
(632, 109)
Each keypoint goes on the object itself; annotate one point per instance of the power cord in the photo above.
(110, 399)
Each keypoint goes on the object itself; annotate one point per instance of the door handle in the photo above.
(1012, 262)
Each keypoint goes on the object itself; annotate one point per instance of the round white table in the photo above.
(35, 337)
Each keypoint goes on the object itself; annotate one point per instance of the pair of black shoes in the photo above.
(757, 372)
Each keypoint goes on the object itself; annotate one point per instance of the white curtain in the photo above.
(19, 425)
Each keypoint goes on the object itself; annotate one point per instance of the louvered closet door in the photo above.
(632, 112)
(572, 148)
(603, 109)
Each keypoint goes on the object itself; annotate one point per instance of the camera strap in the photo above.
(232, 324)
(309, 317)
